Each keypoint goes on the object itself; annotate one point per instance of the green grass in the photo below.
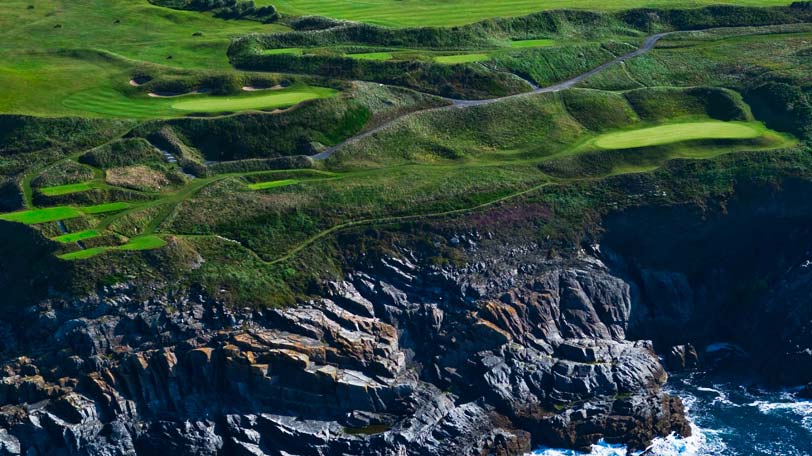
(35, 216)
(84, 254)
(148, 242)
(144, 33)
(276, 99)
(67, 189)
(78, 236)
(522, 44)
(672, 133)
(282, 51)
(61, 48)
(273, 184)
(461, 58)
(113, 103)
(52, 214)
(105, 208)
(411, 13)
(380, 56)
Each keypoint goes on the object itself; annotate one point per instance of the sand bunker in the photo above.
(139, 81)
(257, 89)
(175, 94)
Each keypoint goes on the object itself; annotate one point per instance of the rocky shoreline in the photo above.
(401, 358)
(512, 349)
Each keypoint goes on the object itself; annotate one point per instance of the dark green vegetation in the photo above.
(237, 204)
(228, 9)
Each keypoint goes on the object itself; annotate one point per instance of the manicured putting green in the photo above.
(531, 43)
(35, 216)
(278, 99)
(273, 184)
(67, 189)
(78, 236)
(461, 58)
(667, 134)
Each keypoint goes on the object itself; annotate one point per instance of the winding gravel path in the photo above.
(647, 45)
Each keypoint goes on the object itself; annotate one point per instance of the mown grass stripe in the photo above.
(273, 184)
(36, 216)
(667, 134)
(106, 207)
(78, 236)
(148, 242)
(67, 189)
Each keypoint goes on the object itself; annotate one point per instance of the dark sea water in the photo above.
(731, 417)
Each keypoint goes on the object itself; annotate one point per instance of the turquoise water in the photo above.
(731, 417)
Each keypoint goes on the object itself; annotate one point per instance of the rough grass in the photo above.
(666, 134)
(148, 242)
(137, 177)
(521, 44)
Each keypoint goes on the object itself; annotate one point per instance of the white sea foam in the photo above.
(702, 442)
(721, 396)
(802, 409)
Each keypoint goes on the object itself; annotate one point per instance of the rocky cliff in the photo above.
(400, 358)
(510, 349)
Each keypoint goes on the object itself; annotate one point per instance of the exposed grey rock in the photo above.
(400, 358)
(681, 357)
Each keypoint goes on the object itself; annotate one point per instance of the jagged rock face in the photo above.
(400, 358)
(736, 278)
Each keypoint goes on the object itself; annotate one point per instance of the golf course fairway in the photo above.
(277, 99)
(667, 134)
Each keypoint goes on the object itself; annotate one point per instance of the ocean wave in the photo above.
(721, 396)
(802, 409)
(702, 442)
